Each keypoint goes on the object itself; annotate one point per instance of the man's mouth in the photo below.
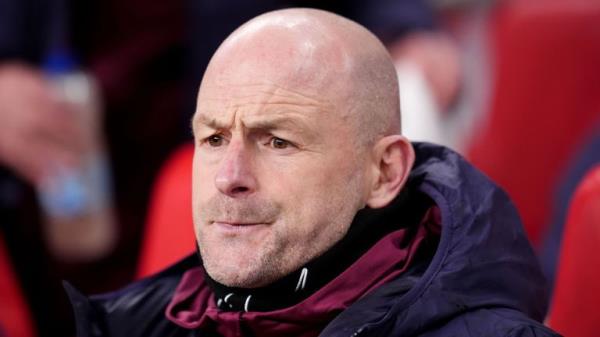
(238, 226)
(238, 223)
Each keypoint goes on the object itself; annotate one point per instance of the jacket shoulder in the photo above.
(497, 322)
(136, 310)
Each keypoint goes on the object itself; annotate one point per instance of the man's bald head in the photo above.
(318, 53)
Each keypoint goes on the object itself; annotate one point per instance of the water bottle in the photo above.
(77, 201)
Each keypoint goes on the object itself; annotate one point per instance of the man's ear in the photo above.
(393, 158)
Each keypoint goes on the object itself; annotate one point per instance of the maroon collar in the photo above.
(193, 305)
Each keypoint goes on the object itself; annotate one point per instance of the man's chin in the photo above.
(240, 273)
(239, 279)
(227, 267)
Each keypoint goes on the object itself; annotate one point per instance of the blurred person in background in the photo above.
(132, 51)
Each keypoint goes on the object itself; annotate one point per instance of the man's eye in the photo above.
(278, 143)
(215, 140)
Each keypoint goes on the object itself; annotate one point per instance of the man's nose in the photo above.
(235, 176)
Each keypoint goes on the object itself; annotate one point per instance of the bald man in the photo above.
(314, 216)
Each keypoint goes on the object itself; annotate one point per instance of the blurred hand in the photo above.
(439, 59)
(38, 132)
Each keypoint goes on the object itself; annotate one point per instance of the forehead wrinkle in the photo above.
(260, 95)
(277, 119)
(282, 102)
(267, 116)
(234, 89)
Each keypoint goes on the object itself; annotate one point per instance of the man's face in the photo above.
(277, 177)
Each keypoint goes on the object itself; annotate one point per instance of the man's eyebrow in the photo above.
(206, 121)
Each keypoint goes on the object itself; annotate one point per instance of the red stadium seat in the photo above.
(169, 233)
(575, 309)
(14, 314)
(545, 101)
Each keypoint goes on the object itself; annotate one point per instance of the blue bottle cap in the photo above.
(58, 62)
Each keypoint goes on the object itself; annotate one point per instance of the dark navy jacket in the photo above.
(483, 280)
